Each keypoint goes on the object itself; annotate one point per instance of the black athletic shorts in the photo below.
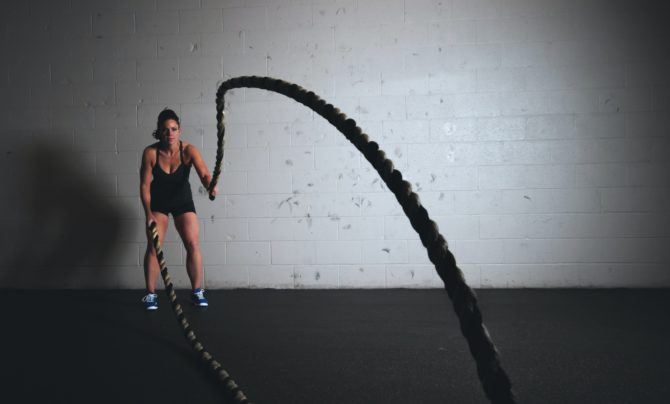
(175, 210)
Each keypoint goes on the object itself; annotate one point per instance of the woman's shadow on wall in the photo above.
(62, 227)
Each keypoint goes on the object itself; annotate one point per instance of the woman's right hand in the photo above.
(150, 219)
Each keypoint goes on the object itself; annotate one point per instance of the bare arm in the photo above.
(145, 182)
(201, 168)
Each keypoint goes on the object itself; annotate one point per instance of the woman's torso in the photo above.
(170, 189)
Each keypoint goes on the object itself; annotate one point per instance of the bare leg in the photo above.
(187, 226)
(151, 267)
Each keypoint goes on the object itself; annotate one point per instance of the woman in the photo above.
(164, 190)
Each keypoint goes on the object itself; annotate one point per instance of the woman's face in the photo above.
(170, 133)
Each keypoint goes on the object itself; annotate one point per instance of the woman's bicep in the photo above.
(145, 169)
(198, 162)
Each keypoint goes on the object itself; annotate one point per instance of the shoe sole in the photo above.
(200, 304)
(152, 308)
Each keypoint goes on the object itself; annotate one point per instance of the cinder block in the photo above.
(294, 252)
(290, 15)
(382, 107)
(502, 79)
(314, 228)
(412, 276)
(330, 205)
(261, 205)
(600, 151)
(247, 252)
(289, 65)
(520, 54)
(94, 141)
(226, 276)
(262, 182)
(362, 180)
(127, 207)
(385, 251)
(338, 252)
(200, 21)
(271, 229)
(647, 174)
(179, 46)
(634, 199)
(128, 184)
(206, 69)
(336, 158)
(64, 71)
(316, 276)
(400, 82)
(289, 158)
(361, 228)
(119, 116)
(224, 44)
(213, 253)
(551, 127)
(77, 117)
(568, 250)
(252, 159)
(271, 276)
(357, 84)
(427, 10)
(268, 134)
(177, 4)
(454, 130)
(117, 163)
(122, 70)
(163, 70)
(535, 176)
(478, 9)
(226, 230)
(373, 11)
(247, 18)
(111, 23)
(498, 30)
(313, 181)
(362, 276)
(93, 94)
(157, 23)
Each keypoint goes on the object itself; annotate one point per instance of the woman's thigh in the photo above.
(188, 228)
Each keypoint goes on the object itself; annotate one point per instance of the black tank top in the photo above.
(171, 190)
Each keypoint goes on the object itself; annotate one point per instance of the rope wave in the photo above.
(494, 379)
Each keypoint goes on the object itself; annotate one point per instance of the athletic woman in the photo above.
(164, 190)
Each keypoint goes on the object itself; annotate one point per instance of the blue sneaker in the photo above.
(198, 297)
(150, 301)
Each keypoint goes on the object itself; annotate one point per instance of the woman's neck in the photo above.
(167, 148)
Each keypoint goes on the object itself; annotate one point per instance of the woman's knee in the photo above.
(192, 246)
(150, 250)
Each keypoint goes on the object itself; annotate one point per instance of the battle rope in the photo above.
(230, 388)
(495, 381)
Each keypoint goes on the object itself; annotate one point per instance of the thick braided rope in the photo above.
(231, 390)
(495, 382)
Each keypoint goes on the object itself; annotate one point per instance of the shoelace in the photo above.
(149, 298)
(200, 294)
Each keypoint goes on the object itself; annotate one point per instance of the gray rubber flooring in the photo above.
(341, 346)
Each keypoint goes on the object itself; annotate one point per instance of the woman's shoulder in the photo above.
(189, 148)
(150, 151)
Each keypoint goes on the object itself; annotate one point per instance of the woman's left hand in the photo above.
(215, 191)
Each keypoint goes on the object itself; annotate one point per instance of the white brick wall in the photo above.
(535, 134)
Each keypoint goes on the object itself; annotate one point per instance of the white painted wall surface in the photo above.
(534, 132)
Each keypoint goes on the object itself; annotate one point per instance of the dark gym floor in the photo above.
(338, 346)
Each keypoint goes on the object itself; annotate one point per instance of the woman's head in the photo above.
(167, 126)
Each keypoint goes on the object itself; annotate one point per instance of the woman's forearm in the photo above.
(206, 180)
(145, 196)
